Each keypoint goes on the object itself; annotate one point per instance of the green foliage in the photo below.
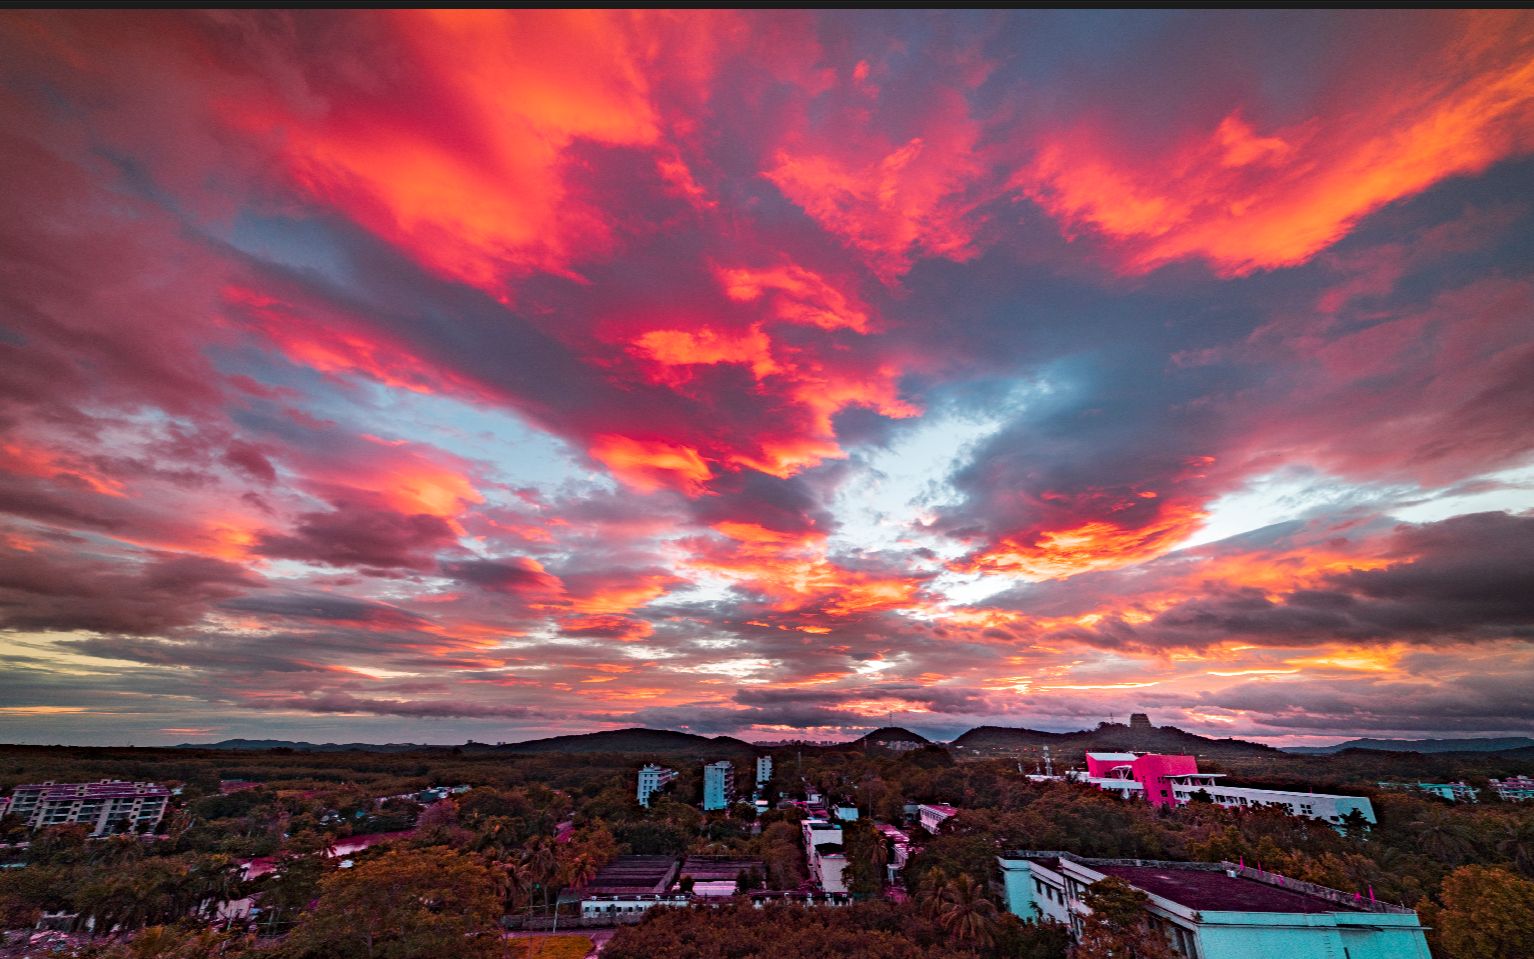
(873, 930)
(551, 947)
(407, 904)
(1487, 913)
(1116, 928)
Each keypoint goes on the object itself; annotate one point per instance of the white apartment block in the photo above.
(826, 855)
(652, 779)
(106, 807)
(718, 785)
(1219, 910)
(1513, 789)
(763, 769)
(1333, 809)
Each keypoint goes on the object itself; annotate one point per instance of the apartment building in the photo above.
(763, 769)
(652, 779)
(1513, 789)
(718, 785)
(106, 807)
(825, 853)
(933, 815)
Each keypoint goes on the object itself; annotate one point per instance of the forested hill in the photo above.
(635, 740)
(1106, 737)
(1485, 745)
(302, 747)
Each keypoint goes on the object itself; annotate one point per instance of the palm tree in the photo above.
(1515, 840)
(966, 913)
(581, 870)
(1442, 836)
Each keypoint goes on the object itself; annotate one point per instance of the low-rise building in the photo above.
(652, 779)
(1176, 781)
(1513, 789)
(1453, 792)
(900, 849)
(718, 785)
(105, 807)
(825, 853)
(933, 815)
(601, 910)
(1218, 910)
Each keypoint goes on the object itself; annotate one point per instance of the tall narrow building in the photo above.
(763, 769)
(718, 785)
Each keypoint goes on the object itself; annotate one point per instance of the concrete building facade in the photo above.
(1513, 789)
(652, 779)
(718, 785)
(106, 807)
(933, 815)
(763, 769)
(1219, 910)
(826, 855)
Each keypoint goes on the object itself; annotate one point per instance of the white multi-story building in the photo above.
(1513, 788)
(1334, 809)
(718, 785)
(652, 779)
(1174, 780)
(763, 769)
(825, 853)
(106, 807)
(933, 815)
(1219, 910)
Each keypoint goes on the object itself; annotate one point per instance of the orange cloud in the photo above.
(1246, 201)
(648, 465)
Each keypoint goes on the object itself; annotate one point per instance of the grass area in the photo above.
(551, 947)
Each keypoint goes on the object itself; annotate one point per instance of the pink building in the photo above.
(1152, 771)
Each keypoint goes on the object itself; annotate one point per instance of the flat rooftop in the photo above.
(718, 868)
(1209, 890)
(633, 874)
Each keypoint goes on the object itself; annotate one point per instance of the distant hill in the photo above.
(1485, 745)
(886, 735)
(301, 747)
(635, 740)
(1106, 737)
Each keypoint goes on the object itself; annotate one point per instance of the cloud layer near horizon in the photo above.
(427, 375)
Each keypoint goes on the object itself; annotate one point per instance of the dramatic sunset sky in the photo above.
(428, 376)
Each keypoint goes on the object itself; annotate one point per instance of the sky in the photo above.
(428, 376)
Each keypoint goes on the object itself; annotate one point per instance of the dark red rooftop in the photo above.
(1209, 890)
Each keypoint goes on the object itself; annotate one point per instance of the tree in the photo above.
(1117, 927)
(408, 904)
(964, 911)
(1488, 913)
(168, 942)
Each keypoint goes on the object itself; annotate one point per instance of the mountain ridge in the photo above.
(1484, 744)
